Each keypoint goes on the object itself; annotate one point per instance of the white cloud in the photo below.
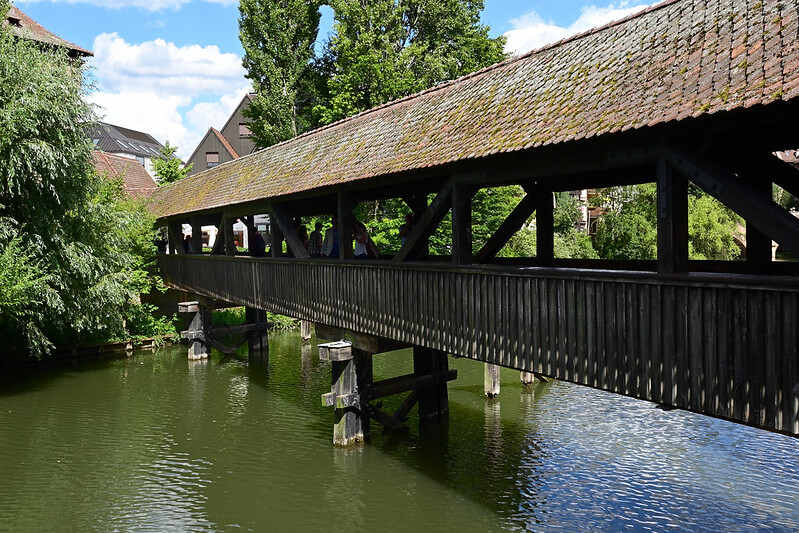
(531, 31)
(175, 93)
(150, 5)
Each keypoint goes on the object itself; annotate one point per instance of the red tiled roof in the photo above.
(225, 143)
(28, 28)
(679, 59)
(137, 182)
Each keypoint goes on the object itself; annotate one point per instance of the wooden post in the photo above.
(433, 398)
(277, 236)
(491, 381)
(528, 379)
(196, 237)
(305, 331)
(227, 230)
(672, 198)
(258, 340)
(758, 245)
(418, 204)
(545, 227)
(351, 372)
(345, 225)
(176, 238)
(198, 347)
(461, 224)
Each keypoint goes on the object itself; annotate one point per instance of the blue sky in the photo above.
(173, 68)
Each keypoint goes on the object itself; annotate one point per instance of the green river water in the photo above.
(158, 443)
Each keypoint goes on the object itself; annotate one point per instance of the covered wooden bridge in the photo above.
(690, 90)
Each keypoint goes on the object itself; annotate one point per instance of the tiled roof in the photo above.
(116, 139)
(24, 27)
(225, 143)
(136, 180)
(679, 59)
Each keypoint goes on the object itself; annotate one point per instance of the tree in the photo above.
(386, 49)
(278, 38)
(168, 167)
(74, 253)
(569, 243)
(628, 227)
(711, 228)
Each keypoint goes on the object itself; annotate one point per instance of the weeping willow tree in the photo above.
(74, 252)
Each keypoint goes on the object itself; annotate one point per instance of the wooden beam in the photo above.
(672, 230)
(428, 223)
(462, 223)
(513, 223)
(359, 341)
(196, 236)
(227, 231)
(764, 214)
(296, 247)
(545, 227)
(397, 385)
(758, 244)
(276, 247)
(344, 207)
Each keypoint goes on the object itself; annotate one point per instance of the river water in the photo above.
(158, 443)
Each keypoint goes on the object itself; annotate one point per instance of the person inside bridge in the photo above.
(315, 241)
(187, 244)
(330, 248)
(364, 246)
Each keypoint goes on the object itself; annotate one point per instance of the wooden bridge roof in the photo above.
(678, 59)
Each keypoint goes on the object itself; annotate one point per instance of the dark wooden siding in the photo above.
(242, 145)
(722, 346)
(209, 144)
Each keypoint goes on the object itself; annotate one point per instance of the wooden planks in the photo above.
(717, 346)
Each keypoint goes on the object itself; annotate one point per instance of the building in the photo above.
(24, 27)
(231, 142)
(135, 179)
(220, 146)
(126, 142)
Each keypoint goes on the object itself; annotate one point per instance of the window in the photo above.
(15, 22)
(211, 159)
(140, 160)
(244, 130)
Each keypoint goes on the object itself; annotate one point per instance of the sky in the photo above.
(172, 68)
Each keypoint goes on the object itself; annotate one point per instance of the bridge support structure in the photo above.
(196, 334)
(201, 336)
(258, 337)
(357, 398)
(491, 383)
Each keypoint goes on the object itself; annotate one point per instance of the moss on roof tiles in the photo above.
(670, 62)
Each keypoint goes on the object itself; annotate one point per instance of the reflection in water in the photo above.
(158, 443)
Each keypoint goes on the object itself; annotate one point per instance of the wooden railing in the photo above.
(722, 345)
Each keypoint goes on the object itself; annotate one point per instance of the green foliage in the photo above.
(168, 167)
(569, 243)
(278, 38)
(784, 198)
(76, 253)
(628, 227)
(711, 228)
(386, 49)
(234, 316)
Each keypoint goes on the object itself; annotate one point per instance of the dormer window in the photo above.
(15, 22)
